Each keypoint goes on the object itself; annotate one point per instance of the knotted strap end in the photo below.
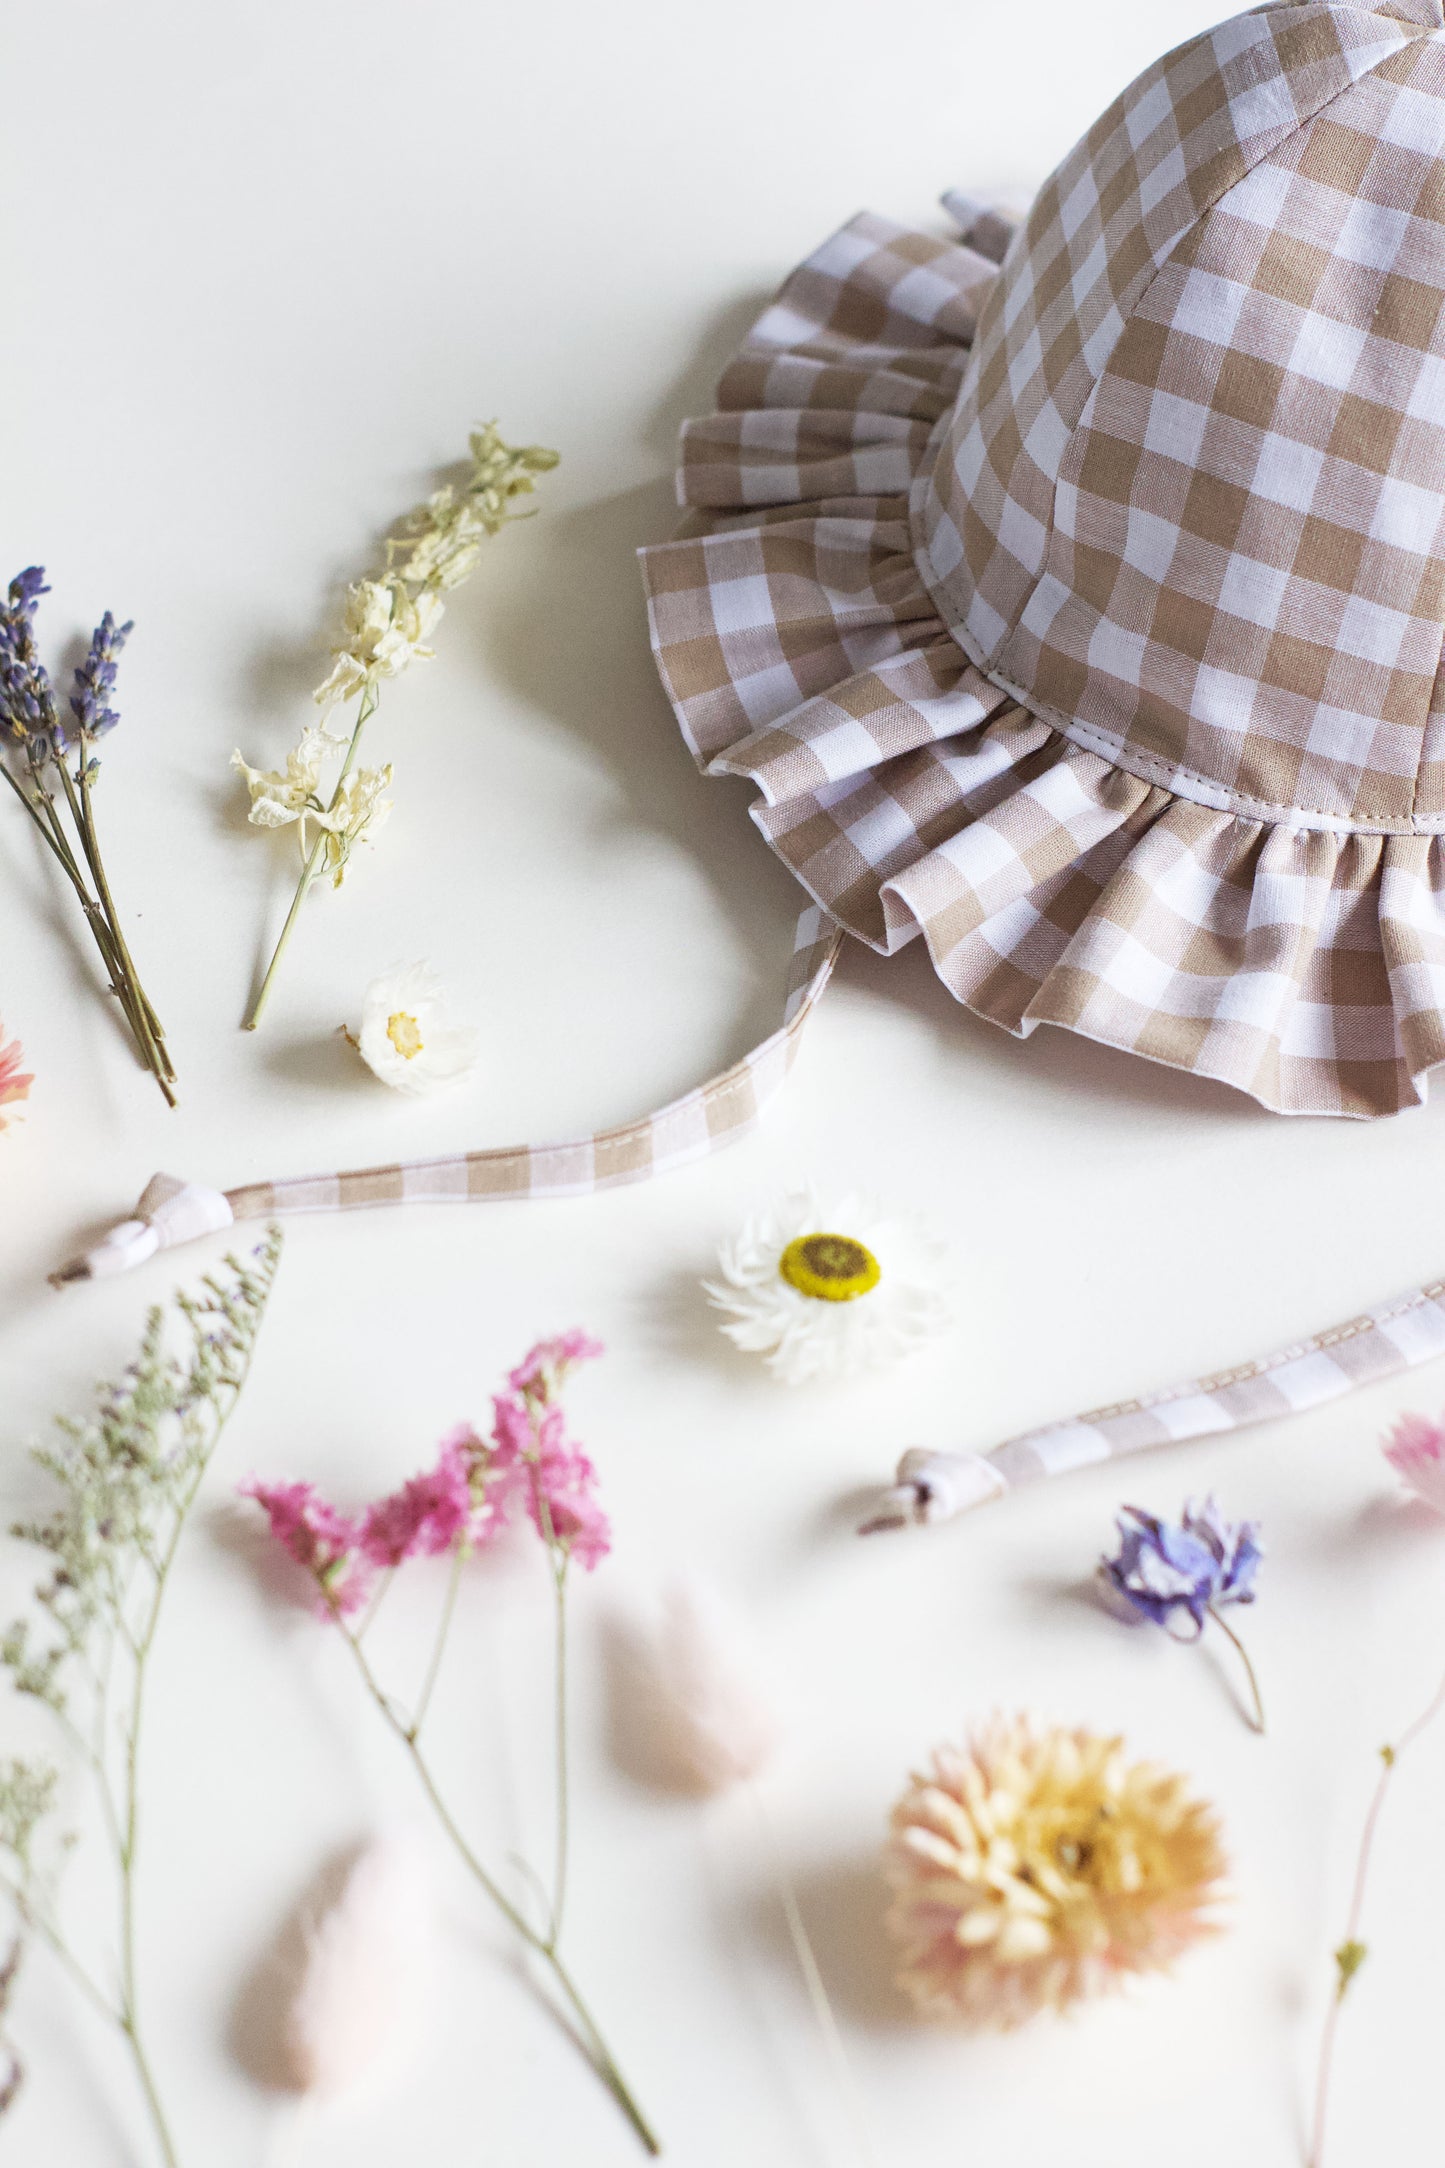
(935, 1487)
(170, 1212)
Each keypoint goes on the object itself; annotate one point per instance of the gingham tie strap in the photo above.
(1396, 1336)
(172, 1212)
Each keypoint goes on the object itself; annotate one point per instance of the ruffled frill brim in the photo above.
(800, 647)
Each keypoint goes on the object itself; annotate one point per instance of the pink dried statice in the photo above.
(1415, 1449)
(530, 1437)
(326, 1542)
(543, 1369)
(433, 1512)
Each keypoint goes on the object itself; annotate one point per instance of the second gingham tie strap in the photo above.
(172, 1212)
(935, 1486)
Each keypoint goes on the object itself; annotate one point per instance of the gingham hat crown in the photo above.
(1190, 505)
(1075, 596)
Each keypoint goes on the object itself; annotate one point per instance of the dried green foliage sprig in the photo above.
(388, 624)
(126, 1479)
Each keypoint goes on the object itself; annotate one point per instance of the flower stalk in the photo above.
(38, 745)
(128, 1480)
(388, 623)
(528, 1465)
(1351, 1953)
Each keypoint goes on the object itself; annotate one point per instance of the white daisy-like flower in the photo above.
(406, 1037)
(826, 1292)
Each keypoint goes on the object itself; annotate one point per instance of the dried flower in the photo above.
(95, 678)
(545, 1368)
(37, 747)
(406, 1038)
(1415, 1449)
(825, 1292)
(440, 542)
(28, 713)
(437, 1511)
(356, 2008)
(326, 1543)
(281, 796)
(388, 624)
(356, 811)
(1177, 1573)
(464, 1499)
(127, 1478)
(386, 631)
(15, 1082)
(700, 1713)
(1032, 1869)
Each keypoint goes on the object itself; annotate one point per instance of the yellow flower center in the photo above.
(831, 1268)
(404, 1034)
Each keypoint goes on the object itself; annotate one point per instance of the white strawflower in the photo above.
(406, 1039)
(825, 1292)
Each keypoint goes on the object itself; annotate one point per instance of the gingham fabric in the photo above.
(933, 1486)
(1085, 615)
(172, 1212)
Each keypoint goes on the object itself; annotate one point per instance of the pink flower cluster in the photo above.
(1415, 1448)
(15, 1085)
(465, 1499)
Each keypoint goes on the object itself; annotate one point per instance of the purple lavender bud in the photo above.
(27, 704)
(95, 678)
(27, 587)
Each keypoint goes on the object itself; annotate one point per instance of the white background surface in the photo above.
(264, 267)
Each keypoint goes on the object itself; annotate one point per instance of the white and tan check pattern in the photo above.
(1397, 1336)
(1258, 218)
(172, 1212)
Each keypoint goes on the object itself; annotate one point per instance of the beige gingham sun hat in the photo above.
(1082, 610)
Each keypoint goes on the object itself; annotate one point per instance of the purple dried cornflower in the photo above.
(95, 678)
(27, 702)
(1179, 1574)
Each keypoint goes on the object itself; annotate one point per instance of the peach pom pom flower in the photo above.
(1034, 1869)
(14, 1083)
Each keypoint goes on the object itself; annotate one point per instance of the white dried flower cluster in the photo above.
(389, 624)
(440, 542)
(351, 814)
(126, 1477)
(387, 628)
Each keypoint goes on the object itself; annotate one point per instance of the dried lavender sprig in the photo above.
(28, 713)
(31, 721)
(95, 677)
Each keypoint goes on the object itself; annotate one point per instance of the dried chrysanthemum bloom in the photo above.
(1033, 1869)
